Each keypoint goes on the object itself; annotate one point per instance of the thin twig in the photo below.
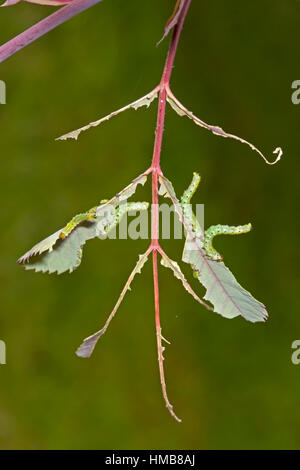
(143, 101)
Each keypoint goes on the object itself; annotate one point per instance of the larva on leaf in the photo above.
(77, 219)
(190, 191)
(212, 231)
(215, 230)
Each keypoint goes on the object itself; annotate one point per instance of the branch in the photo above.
(155, 167)
(181, 110)
(143, 101)
(44, 26)
(88, 345)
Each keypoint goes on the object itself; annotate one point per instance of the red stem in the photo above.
(162, 98)
(156, 171)
(173, 45)
(44, 26)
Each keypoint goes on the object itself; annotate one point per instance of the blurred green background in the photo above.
(232, 382)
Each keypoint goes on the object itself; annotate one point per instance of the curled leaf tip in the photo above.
(181, 110)
(278, 151)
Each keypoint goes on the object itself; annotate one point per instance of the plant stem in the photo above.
(156, 171)
(44, 26)
(162, 98)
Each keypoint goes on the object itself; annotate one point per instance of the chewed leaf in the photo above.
(62, 251)
(181, 110)
(228, 297)
(125, 193)
(41, 247)
(88, 345)
(144, 101)
(172, 21)
(222, 289)
(65, 254)
(169, 263)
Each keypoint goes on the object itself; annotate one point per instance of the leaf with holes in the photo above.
(62, 251)
(222, 289)
(144, 101)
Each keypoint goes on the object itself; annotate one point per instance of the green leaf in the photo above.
(63, 255)
(222, 289)
(55, 254)
(228, 297)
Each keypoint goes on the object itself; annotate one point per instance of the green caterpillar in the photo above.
(91, 215)
(121, 211)
(190, 191)
(212, 231)
(187, 207)
(77, 219)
